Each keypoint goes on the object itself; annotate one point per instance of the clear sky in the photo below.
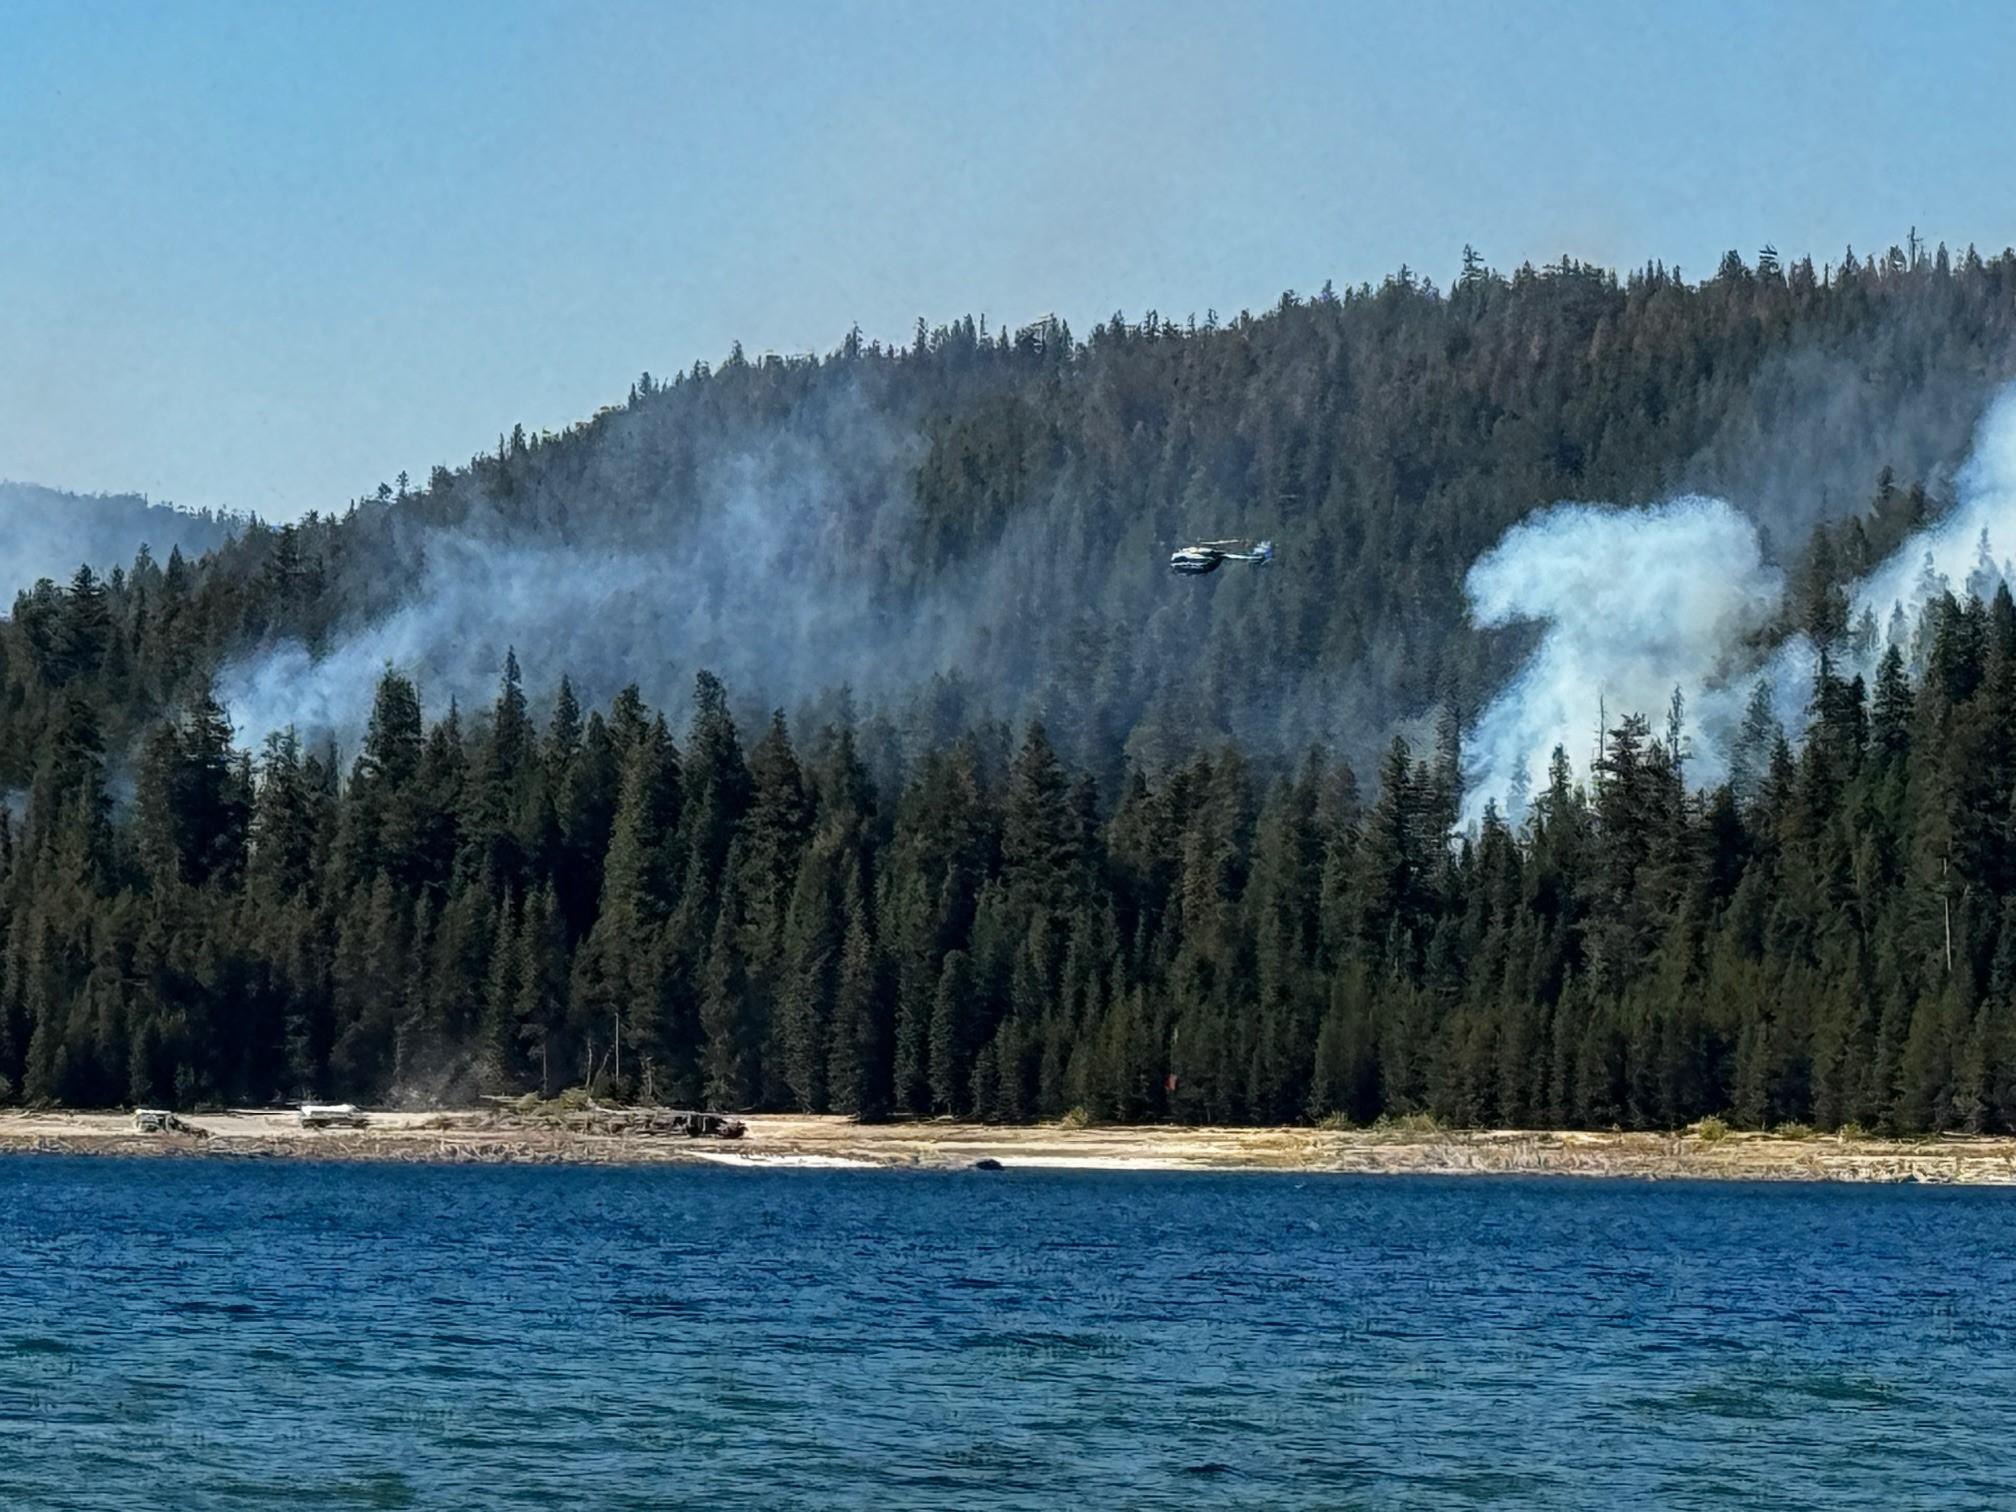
(265, 256)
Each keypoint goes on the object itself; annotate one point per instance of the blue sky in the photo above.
(264, 256)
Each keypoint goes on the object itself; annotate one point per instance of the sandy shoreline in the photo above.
(787, 1140)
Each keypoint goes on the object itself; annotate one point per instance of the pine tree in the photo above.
(540, 976)
(952, 1076)
(812, 943)
(1040, 849)
(282, 836)
(499, 791)
(860, 1054)
(716, 779)
(730, 1075)
(503, 1037)
(617, 971)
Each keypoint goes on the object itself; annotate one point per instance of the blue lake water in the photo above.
(215, 1334)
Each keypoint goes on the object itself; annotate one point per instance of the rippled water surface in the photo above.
(215, 1334)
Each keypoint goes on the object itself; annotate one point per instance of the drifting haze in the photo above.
(47, 533)
(738, 573)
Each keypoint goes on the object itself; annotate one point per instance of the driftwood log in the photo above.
(658, 1122)
(163, 1121)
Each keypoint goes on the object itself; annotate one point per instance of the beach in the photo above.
(504, 1136)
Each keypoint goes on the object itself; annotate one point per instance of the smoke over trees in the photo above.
(1679, 596)
(993, 510)
(1037, 830)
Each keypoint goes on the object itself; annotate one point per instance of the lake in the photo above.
(218, 1334)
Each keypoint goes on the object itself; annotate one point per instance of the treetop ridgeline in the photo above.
(999, 508)
(1089, 867)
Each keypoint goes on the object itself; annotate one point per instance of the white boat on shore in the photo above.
(333, 1116)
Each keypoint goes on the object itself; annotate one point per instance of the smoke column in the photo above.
(1635, 603)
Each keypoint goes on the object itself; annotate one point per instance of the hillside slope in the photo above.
(997, 510)
(45, 532)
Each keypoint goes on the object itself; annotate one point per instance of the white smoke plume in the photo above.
(1957, 552)
(1637, 603)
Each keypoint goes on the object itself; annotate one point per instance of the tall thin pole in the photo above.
(1946, 898)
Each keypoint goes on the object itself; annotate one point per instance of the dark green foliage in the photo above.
(1839, 949)
(732, 1030)
(1127, 900)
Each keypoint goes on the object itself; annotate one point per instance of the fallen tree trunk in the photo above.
(163, 1121)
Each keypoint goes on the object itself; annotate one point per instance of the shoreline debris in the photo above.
(574, 1112)
(673, 1122)
(164, 1121)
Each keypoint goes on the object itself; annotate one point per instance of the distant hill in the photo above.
(975, 525)
(45, 532)
(997, 508)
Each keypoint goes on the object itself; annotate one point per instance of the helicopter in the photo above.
(1204, 556)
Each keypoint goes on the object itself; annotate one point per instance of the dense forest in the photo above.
(1105, 850)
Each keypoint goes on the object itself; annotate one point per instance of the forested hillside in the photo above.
(997, 511)
(1082, 835)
